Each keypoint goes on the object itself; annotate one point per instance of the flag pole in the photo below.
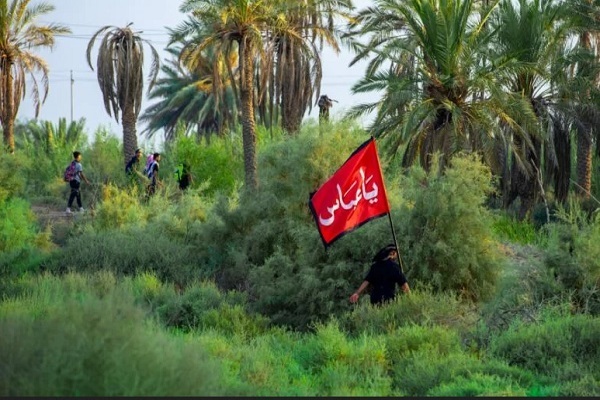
(396, 242)
(390, 218)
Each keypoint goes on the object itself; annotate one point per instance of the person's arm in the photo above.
(355, 295)
(84, 177)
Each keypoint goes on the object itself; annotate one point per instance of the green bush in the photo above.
(203, 307)
(23, 247)
(525, 290)
(12, 184)
(421, 307)
(478, 385)
(103, 160)
(573, 258)
(510, 229)
(561, 346)
(267, 242)
(217, 164)
(403, 341)
(425, 372)
(101, 347)
(119, 207)
(128, 252)
(446, 230)
(17, 225)
(343, 366)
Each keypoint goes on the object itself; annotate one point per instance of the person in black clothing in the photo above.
(185, 176)
(383, 277)
(133, 164)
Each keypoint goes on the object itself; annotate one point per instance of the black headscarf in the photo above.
(384, 253)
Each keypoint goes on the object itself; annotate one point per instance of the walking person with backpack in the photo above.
(74, 174)
(152, 174)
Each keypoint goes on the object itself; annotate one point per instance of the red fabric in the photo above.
(354, 195)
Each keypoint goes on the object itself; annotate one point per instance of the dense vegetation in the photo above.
(488, 114)
(209, 293)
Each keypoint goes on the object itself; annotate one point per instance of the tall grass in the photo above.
(101, 347)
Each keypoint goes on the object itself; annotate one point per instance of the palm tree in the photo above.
(120, 76)
(46, 137)
(585, 18)
(187, 97)
(19, 35)
(533, 33)
(559, 83)
(428, 58)
(298, 69)
(241, 25)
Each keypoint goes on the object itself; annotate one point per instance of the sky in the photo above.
(83, 98)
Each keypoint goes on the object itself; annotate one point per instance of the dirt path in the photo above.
(50, 214)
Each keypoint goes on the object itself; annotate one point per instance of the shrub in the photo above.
(119, 207)
(525, 290)
(425, 372)
(128, 252)
(573, 258)
(17, 225)
(103, 160)
(421, 307)
(512, 230)
(12, 184)
(478, 385)
(202, 307)
(267, 243)
(101, 347)
(217, 163)
(345, 367)
(446, 229)
(23, 247)
(560, 346)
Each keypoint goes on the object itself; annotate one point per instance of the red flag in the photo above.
(353, 196)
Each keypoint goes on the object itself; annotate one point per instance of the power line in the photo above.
(97, 26)
(82, 37)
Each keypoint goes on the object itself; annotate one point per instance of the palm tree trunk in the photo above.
(584, 161)
(291, 95)
(129, 132)
(562, 172)
(525, 184)
(248, 123)
(8, 120)
(584, 142)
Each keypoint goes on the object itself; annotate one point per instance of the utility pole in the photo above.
(72, 82)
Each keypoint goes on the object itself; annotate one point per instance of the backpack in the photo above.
(179, 172)
(149, 161)
(150, 169)
(70, 171)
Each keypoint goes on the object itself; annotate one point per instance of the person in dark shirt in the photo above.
(184, 176)
(133, 164)
(383, 277)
